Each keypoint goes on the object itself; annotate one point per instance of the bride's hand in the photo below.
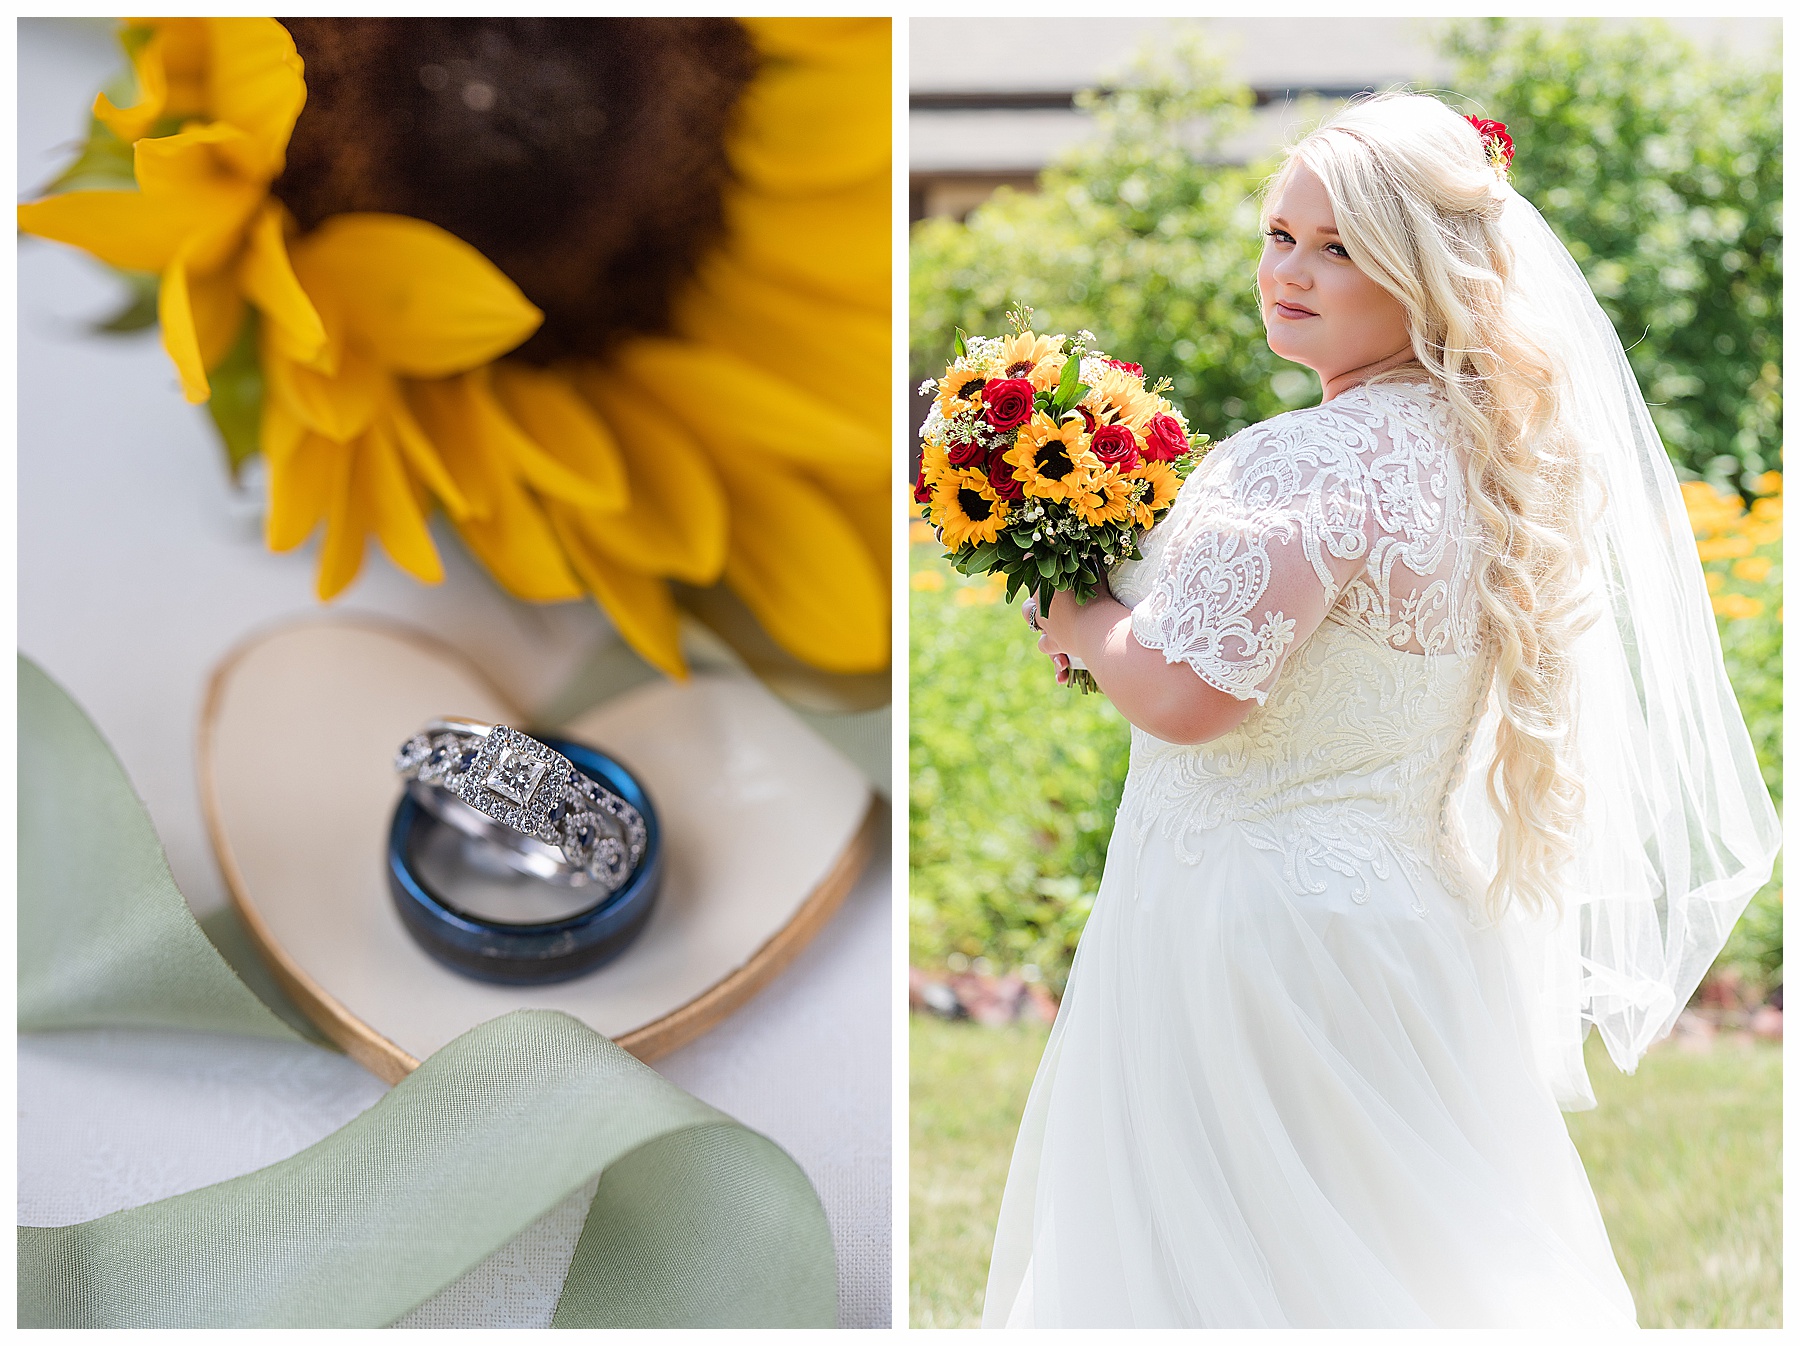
(1058, 630)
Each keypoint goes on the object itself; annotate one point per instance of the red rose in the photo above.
(1166, 441)
(1495, 142)
(1115, 446)
(1008, 403)
(1087, 419)
(921, 492)
(1138, 370)
(964, 452)
(1000, 477)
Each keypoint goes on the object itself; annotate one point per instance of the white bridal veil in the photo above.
(1678, 830)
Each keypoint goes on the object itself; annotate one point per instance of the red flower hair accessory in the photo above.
(1495, 142)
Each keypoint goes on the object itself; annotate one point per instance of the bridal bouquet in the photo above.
(1045, 460)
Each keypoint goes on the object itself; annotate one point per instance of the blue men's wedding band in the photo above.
(550, 951)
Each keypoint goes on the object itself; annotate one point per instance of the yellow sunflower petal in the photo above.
(542, 404)
(123, 229)
(808, 125)
(798, 564)
(186, 53)
(339, 406)
(871, 513)
(677, 522)
(131, 123)
(861, 42)
(838, 246)
(640, 606)
(422, 456)
(511, 537)
(269, 281)
(180, 334)
(425, 302)
(845, 351)
(735, 409)
(489, 420)
(301, 478)
(218, 306)
(393, 509)
(255, 83)
(346, 527)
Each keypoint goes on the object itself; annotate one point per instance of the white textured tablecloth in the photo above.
(139, 566)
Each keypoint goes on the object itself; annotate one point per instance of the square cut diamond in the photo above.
(516, 776)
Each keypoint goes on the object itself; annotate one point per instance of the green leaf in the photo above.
(1071, 380)
(105, 163)
(237, 398)
(1047, 567)
(139, 310)
(962, 343)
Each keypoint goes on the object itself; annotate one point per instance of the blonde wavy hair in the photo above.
(1418, 206)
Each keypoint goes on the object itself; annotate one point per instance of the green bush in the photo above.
(1660, 167)
(1014, 783)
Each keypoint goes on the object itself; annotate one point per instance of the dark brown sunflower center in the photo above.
(1020, 369)
(584, 157)
(1053, 461)
(976, 505)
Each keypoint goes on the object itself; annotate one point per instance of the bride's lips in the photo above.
(1293, 310)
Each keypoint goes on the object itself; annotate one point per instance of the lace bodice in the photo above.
(1321, 563)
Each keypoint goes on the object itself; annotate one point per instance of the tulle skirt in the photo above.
(1263, 1107)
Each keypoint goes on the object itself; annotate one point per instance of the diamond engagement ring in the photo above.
(545, 818)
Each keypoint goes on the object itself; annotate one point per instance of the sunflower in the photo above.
(612, 293)
(958, 388)
(1164, 483)
(1118, 398)
(1029, 356)
(1051, 461)
(1108, 498)
(966, 508)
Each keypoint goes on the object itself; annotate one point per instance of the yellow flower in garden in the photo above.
(967, 509)
(1755, 569)
(747, 440)
(201, 217)
(1737, 606)
(1029, 356)
(1051, 461)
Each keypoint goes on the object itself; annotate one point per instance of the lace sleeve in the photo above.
(1263, 539)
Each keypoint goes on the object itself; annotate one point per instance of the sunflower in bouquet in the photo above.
(612, 294)
(1046, 461)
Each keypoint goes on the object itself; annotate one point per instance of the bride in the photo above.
(1434, 766)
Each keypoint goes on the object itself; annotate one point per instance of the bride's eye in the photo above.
(1279, 235)
(1338, 250)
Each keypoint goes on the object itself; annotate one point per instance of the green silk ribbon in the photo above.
(696, 1221)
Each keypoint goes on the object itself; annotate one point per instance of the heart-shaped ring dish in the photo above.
(765, 829)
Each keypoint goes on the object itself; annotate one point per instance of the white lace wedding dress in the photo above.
(1292, 1083)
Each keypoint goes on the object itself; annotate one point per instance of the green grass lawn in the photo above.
(1685, 1157)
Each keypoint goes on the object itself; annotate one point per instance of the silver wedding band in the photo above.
(1030, 608)
(540, 815)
